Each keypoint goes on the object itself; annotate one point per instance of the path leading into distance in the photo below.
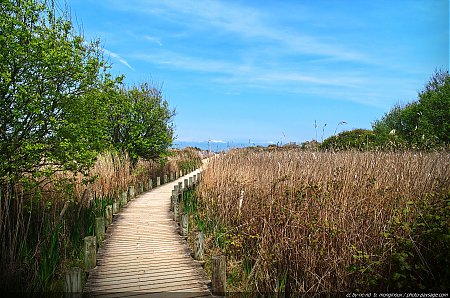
(144, 255)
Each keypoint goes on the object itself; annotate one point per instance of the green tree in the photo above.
(422, 124)
(50, 79)
(141, 122)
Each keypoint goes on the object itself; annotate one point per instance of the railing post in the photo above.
(140, 187)
(73, 286)
(184, 225)
(158, 181)
(165, 179)
(219, 275)
(100, 229)
(131, 192)
(190, 181)
(176, 211)
(90, 252)
(174, 198)
(199, 246)
(115, 206)
(124, 199)
(150, 184)
(108, 215)
(186, 183)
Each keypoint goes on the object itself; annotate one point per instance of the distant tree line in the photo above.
(60, 105)
(423, 124)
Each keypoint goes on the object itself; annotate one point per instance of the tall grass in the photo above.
(42, 224)
(300, 221)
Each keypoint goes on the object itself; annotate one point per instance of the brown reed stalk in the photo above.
(311, 216)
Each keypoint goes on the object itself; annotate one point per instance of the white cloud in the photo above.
(217, 141)
(153, 39)
(246, 23)
(119, 58)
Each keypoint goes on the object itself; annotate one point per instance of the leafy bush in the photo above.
(422, 124)
(360, 139)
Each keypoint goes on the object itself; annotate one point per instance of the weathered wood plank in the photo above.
(143, 254)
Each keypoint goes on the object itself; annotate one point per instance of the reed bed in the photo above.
(42, 226)
(315, 222)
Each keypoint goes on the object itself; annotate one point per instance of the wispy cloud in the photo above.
(245, 22)
(232, 72)
(118, 57)
(153, 39)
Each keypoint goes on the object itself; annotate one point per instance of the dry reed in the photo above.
(297, 221)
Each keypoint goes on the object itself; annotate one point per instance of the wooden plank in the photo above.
(142, 272)
(146, 280)
(143, 253)
(127, 286)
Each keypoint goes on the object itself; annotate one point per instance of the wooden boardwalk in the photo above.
(144, 255)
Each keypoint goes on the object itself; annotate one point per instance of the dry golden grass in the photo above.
(295, 220)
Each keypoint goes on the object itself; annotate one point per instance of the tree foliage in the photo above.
(59, 104)
(140, 122)
(422, 124)
(361, 139)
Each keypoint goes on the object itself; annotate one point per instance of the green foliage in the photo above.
(421, 252)
(417, 251)
(59, 105)
(48, 79)
(360, 139)
(141, 122)
(422, 124)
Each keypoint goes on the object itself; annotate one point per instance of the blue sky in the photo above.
(269, 70)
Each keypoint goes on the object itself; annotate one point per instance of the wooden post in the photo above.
(194, 179)
(180, 187)
(181, 173)
(158, 181)
(174, 198)
(176, 211)
(141, 187)
(199, 246)
(116, 206)
(184, 227)
(190, 181)
(124, 200)
(199, 177)
(108, 215)
(219, 275)
(175, 188)
(166, 179)
(150, 184)
(90, 252)
(100, 229)
(186, 183)
(171, 176)
(73, 282)
(131, 192)
(176, 175)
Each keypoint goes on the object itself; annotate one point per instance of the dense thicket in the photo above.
(422, 124)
